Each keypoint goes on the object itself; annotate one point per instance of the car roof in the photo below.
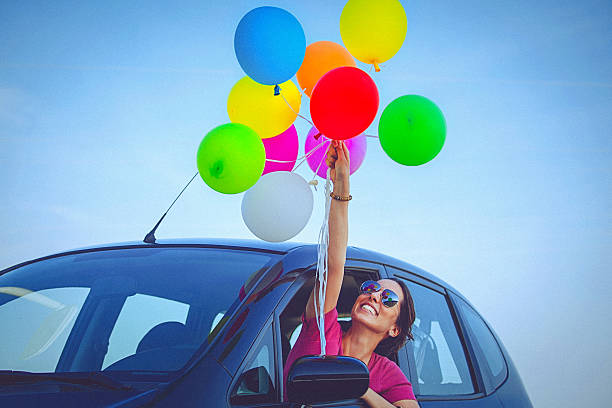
(354, 253)
(278, 247)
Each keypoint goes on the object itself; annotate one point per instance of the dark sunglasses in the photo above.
(388, 297)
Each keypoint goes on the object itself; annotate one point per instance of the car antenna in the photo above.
(150, 237)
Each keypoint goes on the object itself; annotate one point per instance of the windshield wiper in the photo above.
(94, 378)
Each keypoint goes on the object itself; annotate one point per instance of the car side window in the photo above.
(441, 364)
(489, 355)
(257, 380)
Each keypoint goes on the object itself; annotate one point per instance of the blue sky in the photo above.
(103, 105)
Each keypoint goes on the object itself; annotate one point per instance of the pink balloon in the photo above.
(282, 147)
(357, 147)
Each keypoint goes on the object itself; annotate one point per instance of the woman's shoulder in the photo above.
(310, 328)
(388, 379)
(383, 364)
(380, 359)
(329, 318)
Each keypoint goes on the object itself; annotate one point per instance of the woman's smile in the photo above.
(369, 308)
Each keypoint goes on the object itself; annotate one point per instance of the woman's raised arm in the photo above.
(338, 160)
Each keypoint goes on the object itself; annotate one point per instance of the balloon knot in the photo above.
(277, 90)
(313, 182)
(376, 67)
(317, 136)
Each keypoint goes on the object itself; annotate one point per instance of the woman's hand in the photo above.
(375, 400)
(338, 161)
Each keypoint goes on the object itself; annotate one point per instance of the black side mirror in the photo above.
(314, 379)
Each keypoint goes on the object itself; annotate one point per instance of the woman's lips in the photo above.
(369, 308)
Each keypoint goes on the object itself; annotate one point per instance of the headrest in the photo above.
(166, 335)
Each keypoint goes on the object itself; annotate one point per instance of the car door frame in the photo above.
(353, 265)
(468, 348)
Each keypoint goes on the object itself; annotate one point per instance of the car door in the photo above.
(439, 361)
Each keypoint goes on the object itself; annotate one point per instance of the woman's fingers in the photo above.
(332, 156)
(340, 150)
(343, 152)
(337, 152)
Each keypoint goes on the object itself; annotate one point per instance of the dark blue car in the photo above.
(209, 323)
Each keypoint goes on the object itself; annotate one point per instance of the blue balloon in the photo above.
(270, 45)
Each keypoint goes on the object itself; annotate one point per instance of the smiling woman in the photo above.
(382, 314)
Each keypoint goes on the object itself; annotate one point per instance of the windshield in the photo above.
(146, 309)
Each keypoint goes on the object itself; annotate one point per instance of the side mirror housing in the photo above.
(314, 379)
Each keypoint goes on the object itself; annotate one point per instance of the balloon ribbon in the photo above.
(322, 266)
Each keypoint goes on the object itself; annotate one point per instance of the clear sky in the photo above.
(103, 105)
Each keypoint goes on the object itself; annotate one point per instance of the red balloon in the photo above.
(344, 103)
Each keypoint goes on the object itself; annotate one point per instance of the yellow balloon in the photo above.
(256, 106)
(373, 31)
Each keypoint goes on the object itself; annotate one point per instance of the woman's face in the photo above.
(369, 311)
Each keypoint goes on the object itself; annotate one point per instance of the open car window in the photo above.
(290, 318)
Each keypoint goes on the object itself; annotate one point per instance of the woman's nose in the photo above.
(375, 296)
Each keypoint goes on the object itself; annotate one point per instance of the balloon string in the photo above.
(297, 113)
(310, 153)
(280, 161)
(322, 267)
(314, 149)
(307, 155)
(322, 157)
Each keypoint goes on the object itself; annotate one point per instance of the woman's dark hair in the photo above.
(405, 319)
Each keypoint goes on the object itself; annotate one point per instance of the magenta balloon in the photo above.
(282, 147)
(357, 147)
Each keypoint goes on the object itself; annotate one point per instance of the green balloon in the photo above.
(231, 158)
(412, 130)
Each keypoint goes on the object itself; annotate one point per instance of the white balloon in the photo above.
(278, 206)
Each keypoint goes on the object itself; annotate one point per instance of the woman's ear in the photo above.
(394, 331)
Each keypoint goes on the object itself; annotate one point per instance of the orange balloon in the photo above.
(321, 57)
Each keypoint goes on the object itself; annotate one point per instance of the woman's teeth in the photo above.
(369, 309)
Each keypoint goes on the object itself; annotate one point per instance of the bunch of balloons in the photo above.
(258, 150)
